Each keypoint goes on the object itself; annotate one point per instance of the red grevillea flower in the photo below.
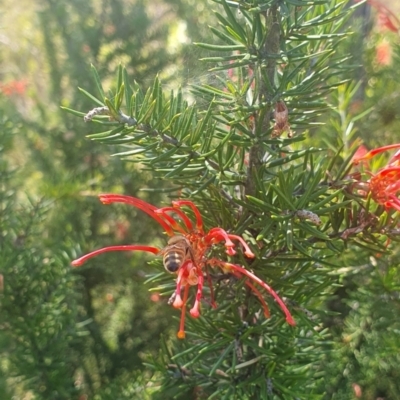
(386, 18)
(186, 254)
(15, 87)
(384, 185)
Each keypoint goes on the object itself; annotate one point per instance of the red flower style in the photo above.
(186, 254)
(384, 185)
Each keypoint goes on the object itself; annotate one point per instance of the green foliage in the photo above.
(61, 171)
(364, 327)
(179, 141)
(230, 158)
(366, 354)
(39, 307)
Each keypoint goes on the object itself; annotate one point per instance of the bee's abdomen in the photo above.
(172, 261)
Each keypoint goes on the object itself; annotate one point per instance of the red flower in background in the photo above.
(383, 53)
(359, 155)
(13, 87)
(384, 185)
(386, 18)
(186, 254)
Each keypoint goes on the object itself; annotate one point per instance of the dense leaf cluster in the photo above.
(282, 196)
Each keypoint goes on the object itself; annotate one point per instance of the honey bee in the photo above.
(177, 251)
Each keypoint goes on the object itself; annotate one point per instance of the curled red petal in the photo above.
(79, 261)
(395, 159)
(178, 300)
(181, 214)
(394, 202)
(230, 251)
(248, 253)
(194, 312)
(394, 171)
(359, 154)
(178, 303)
(199, 219)
(374, 152)
(216, 235)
